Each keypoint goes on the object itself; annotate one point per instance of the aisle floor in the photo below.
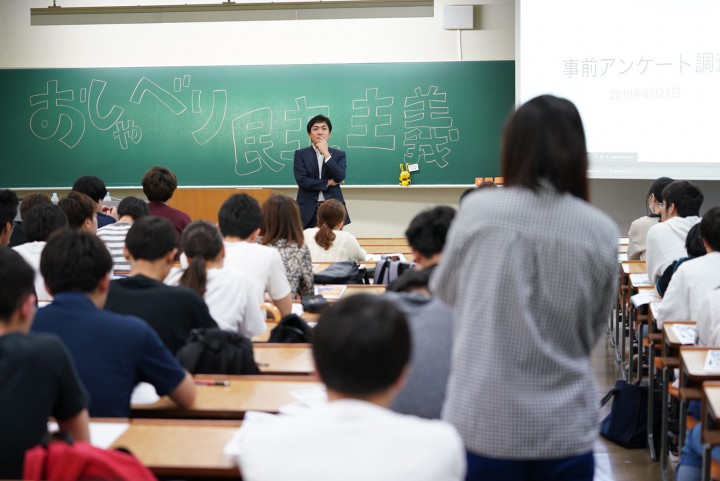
(612, 462)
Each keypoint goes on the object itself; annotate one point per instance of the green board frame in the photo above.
(230, 126)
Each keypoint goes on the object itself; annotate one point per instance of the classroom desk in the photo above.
(388, 249)
(288, 359)
(624, 292)
(710, 435)
(244, 393)
(181, 448)
(693, 374)
(382, 241)
(353, 289)
(671, 345)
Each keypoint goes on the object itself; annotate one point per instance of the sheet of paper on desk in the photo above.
(712, 361)
(642, 298)
(685, 333)
(640, 280)
(334, 291)
(102, 435)
(297, 308)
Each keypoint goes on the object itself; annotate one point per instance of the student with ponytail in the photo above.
(229, 293)
(327, 242)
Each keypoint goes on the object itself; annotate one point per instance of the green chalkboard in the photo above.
(240, 125)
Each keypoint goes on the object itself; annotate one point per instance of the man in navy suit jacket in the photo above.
(319, 171)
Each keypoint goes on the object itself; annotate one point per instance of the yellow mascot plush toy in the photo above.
(404, 175)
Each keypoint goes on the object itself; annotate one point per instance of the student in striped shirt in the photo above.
(113, 235)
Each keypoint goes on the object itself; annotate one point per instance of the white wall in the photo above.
(247, 43)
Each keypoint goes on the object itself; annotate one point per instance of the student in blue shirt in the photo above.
(112, 352)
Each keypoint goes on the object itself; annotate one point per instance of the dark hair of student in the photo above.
(467, 192)
(91, 186)
(428, 230)
(694, 242)
(710, 228)
(30, 201)
(239, 216)
(329, 216)
(8, 207)
(42, 220)
(281, 220)
(685, 196)
(201, 242)
(151, 238)
(17, 281)
(656, 189)
(544, 140)
(74, 261)
(77, 208)
(411, 280)
(319, 119)
(361, 345)
(159, 184)
(134, 207)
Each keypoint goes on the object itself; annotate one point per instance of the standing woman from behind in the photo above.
(327, 242)
(231, 296)
(639, 228)
(521, 390)
(282, 229)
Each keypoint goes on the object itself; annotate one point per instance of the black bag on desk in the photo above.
(215, 351)
(292, 328)
(626, 424)
(346, 272)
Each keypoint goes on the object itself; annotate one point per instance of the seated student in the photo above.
(80, 211)
(38, 376)
(159, 184)
(694, 247)
(709, 319)
(430, 322)
(282, 229)
(695, 278)
(28, 202)
(151, 246)
(361, 348)
(240, 220)
(637, 235)
(113, 235)
(327, 242)
(426, 235)
(230, 294)
(95, 188)
(39, 223)
(112, 352)
(678, 213)
(8, 210)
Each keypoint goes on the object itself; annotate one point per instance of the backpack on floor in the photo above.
(626, 424)
(215, 351)
(62, 458)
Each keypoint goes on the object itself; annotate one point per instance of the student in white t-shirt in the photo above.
(240, 219)
(231, 296)
(361, 348)
(38, 224)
